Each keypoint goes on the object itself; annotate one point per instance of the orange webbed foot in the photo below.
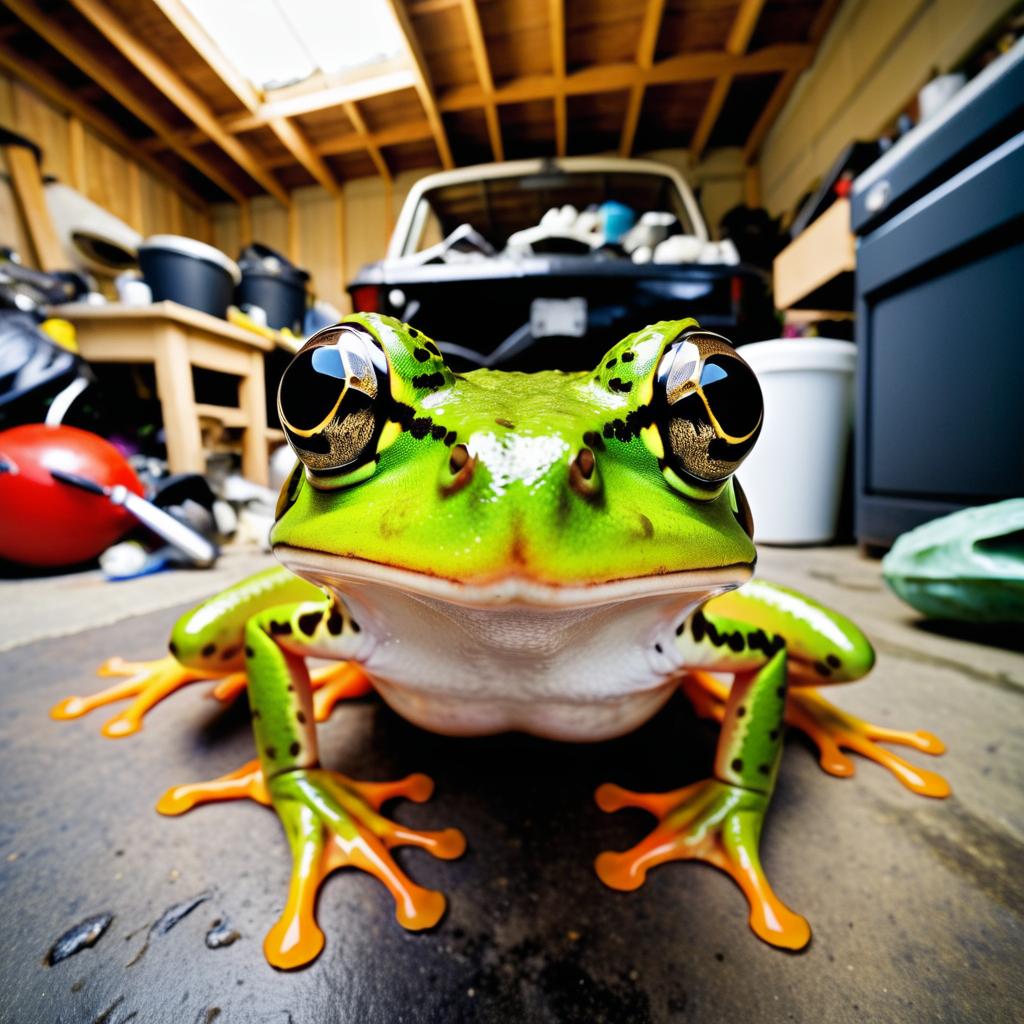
(149, 682)
(710, 821)
(832, 730)
(331, 822)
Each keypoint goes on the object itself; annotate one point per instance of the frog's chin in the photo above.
(509, 589)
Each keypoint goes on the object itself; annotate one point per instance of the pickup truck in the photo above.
(508, 265)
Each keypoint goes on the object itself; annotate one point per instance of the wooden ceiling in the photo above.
(478, 80)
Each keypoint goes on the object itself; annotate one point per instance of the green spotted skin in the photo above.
(743, 630)
(277, 642)
(519, 508)
(750, 744)
(212, 637)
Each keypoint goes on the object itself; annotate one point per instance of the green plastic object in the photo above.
(967, 566)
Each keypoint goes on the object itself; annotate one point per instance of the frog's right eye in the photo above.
(331, 399)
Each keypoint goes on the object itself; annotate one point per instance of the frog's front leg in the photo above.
(719, 820)
(330, 820)
(824, 648)
(206, 644)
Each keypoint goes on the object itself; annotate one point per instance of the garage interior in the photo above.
(854, 170)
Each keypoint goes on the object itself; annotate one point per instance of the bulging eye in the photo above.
(709, 407)
(331, 398)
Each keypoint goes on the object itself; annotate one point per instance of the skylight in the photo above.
(280, 42)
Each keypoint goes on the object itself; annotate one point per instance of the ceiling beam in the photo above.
(58, 93)
(419, 7)
(73, 50)
(353, 114)
(556, 21)
(244, 91)
(178, 91)
(422, 84)
(478, 48)
(646, 48)
(739, 39)
(688, 67)
(777, 100)
(337, 145)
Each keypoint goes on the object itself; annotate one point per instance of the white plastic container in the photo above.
(794, 476)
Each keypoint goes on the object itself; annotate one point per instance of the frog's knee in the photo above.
(850, 657)
(206, 646)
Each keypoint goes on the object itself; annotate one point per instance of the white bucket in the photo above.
(794, 476)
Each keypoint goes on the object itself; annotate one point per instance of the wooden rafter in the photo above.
(337, 145)
(73, 50)
(645, 51)
(363, 133)
(478, 47)
(178, 91)
(290, 136)
(424, 88)
(59, 94)
(687, 67)
(739, 39)
(787, 84)
(556, 21)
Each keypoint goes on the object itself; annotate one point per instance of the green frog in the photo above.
(555, 553)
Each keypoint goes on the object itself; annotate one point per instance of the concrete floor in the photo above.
(916, 904)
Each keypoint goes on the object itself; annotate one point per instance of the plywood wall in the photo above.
(77, 156)
(875, 57)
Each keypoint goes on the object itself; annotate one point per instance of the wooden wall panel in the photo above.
(874, 58)
(78, 156)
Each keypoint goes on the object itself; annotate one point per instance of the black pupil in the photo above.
(311, 386)
(732, 392)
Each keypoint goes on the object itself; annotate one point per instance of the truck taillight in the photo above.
(366, 298)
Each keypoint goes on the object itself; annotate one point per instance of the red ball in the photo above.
(46, 522)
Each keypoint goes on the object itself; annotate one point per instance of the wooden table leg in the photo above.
(178, 403)
(252, 399)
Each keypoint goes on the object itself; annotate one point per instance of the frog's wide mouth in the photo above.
(510, 589)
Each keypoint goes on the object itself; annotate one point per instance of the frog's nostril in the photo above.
(583, 473)
(459, 458)
(460, 469)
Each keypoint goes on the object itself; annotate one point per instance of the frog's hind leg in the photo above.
(824, 647)
(719, 820)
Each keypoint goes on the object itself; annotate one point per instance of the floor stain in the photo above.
(172, 916)
(221, 934)
(82, 935)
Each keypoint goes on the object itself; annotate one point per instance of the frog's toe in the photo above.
(333, 683)
(244, 783)
(833, 730)
(149, 682)
(710, 821)
(332, 822)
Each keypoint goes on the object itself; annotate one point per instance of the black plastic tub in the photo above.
(275, 285)
(190, 272)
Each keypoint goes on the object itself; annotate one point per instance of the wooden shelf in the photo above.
(815, 271)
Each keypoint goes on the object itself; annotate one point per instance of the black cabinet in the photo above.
(940, 312)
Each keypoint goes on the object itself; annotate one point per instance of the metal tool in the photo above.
(200, 551)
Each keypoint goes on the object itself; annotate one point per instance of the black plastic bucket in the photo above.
(274, 284)
(190, 272)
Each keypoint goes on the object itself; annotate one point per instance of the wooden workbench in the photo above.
(175, 339)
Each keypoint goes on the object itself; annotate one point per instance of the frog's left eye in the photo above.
(331, 398)
(709, 408)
